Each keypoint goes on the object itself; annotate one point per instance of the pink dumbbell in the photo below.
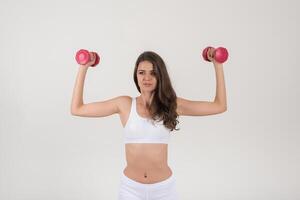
(219, 54)
(84, 56)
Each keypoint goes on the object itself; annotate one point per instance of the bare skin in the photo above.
(146, 163)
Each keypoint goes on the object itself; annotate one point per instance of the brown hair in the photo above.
(164, 105)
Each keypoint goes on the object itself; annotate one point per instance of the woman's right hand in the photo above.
(92, 61)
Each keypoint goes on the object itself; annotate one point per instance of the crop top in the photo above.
(144, 130)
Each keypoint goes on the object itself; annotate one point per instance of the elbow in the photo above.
(74, 112)
(224, 109)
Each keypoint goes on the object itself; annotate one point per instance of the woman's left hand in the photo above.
(210, 55)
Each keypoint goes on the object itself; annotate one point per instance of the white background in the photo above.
(249, 152)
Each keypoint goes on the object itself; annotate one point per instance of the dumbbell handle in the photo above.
(84, 56)
(220, 54)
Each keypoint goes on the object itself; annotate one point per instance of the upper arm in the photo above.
(101, 109)
(197, 108)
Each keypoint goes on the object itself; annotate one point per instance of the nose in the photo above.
(147, 77)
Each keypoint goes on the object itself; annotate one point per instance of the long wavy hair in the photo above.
(163, 105)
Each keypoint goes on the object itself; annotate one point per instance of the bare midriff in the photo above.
(147, 163)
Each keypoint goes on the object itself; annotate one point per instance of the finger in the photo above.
(92, 56)
(211, 52)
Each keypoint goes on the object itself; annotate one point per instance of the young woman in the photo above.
(148, 121)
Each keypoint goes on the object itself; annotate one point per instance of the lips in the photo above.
(147, 84)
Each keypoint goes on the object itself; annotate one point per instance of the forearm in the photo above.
(77, 99)
(220, 97)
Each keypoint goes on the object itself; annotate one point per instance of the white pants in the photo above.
(132, 190)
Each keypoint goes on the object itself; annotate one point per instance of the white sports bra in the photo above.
(143, 130)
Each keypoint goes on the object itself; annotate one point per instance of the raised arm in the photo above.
(77, 98)
(200, 108)
(94, 109)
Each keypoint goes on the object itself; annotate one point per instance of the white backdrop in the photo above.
(249, 152)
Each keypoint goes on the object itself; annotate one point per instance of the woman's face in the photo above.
(146, 76)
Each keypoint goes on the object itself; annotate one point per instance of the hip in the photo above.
(131, 189)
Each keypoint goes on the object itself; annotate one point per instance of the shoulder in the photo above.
(124, 99)
(124, 103)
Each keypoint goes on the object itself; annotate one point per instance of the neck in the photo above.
(146, 98)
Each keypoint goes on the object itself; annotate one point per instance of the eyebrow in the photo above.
(145, 70)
